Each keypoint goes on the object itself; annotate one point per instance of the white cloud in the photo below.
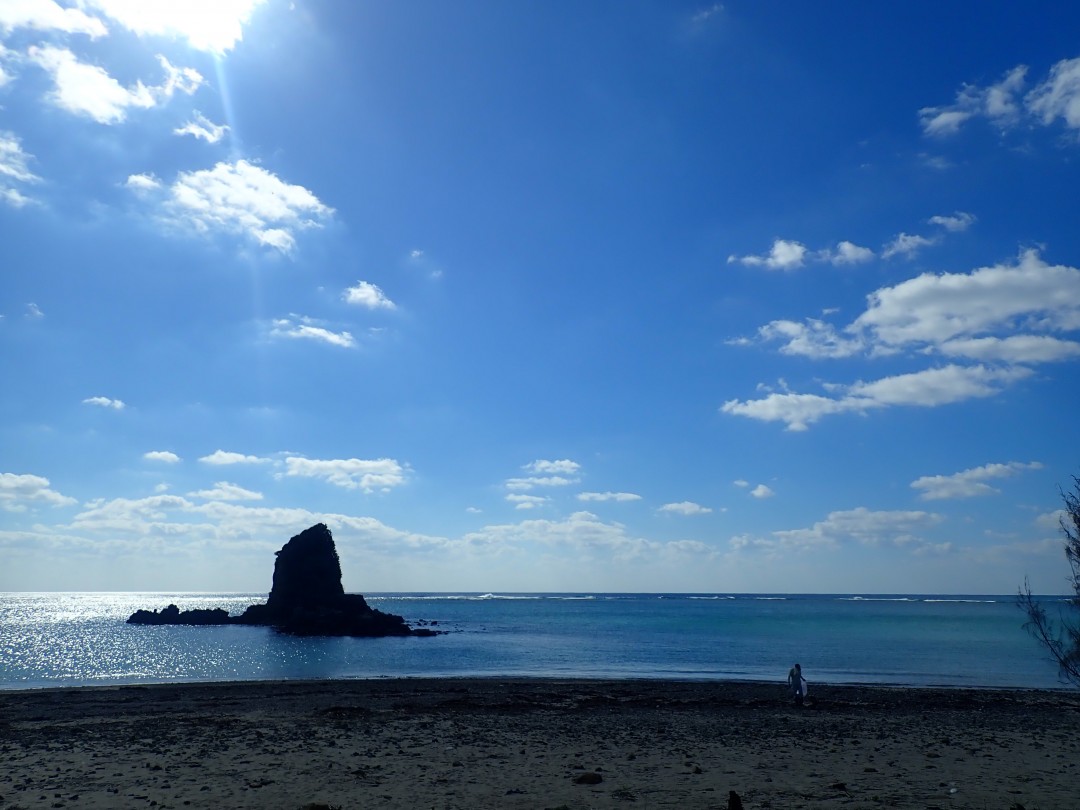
(583, 532)
(685, 508)
(968, 483)
(761, 492)
(350, 473)
(224, 491)
(140, 183)
(1051, 520)
(367, 295)
(928, 388)
(207, 25)
(223, 457)
(539, 481)
(526, 501)
(849, 253)
(202, 128)
(562, 466)
(998, 102)
(290, 328)
(1012, 349)
(620, 497)
(814, 338)
(84, 89)
(860, 525)
(33, 311)
(1055, 97)
(18, 490)
(162, 455)
(105, 402)
(48, 15)
(959, 221)
(934, 308)
(241, 198)
(14, 169)
(1058, 96)
(740, 482)
(784, 255)
(906, 244)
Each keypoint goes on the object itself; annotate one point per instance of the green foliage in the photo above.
(1061, 638)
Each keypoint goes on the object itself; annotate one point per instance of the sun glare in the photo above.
(208, 25)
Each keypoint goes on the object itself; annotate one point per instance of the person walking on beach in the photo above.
(797, 684)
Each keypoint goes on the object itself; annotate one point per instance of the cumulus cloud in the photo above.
(367, 475)
(222, 457)
(237, 198)
(48, 15)
(996, 316)
(162, 455)
(620, 497)
(105, 402)
(14, 170)
(539, 481)
(761, 492)
(546, 473)
(968, 483)
(783, 255)
(304, 329)
(848, 253)
(224, 491)
(526, 501)
(16, 491)
(684, 508)
(142, 183)
(202, 128)
(88, 90)
(206, 25)
(367, 295)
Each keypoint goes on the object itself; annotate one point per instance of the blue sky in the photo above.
(637, 296)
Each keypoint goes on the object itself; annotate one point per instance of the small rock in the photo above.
(588, 778)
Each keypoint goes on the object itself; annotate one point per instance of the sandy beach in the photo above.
(520, 743)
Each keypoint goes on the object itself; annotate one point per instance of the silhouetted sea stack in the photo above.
(306, 598)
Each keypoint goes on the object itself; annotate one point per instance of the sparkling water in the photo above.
(79, 639)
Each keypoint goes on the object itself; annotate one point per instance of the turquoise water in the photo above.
(79, 639)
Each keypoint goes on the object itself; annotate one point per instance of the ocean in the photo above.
(81, 639)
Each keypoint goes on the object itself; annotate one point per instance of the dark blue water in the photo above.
(81, 639)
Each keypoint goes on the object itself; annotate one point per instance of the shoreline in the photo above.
(527, 742)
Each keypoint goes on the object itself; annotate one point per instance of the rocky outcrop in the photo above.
(306, 598)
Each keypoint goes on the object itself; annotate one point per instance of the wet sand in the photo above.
(519, 743)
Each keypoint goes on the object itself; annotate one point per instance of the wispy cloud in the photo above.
(784, 254)
(367, 475)
(297, 327)
(105, 402)
(224, 491)
(202, 128)
(620, 497)
(684, 508)
(14, 170)
(1007, 106)
(224, 457)
(968, 483)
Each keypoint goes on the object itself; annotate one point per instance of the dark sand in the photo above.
(519, 743)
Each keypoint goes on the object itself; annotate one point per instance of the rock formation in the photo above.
(306, 598)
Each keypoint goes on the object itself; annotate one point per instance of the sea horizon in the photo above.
(958, 640)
